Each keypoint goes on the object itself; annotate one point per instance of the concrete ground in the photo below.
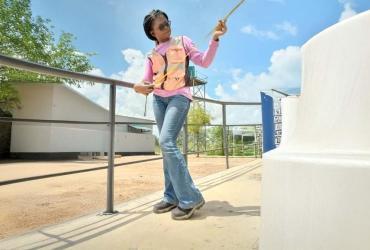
(28, 205)
(229, 220)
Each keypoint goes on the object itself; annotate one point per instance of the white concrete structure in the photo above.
(289, 109)
(315, 187)
(59, 102)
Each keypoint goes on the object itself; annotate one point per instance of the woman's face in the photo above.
(161, 29)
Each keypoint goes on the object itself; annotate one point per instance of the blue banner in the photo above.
(268, 125)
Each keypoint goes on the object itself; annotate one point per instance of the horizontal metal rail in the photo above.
(226, 102)
(9, 119)
(280, 92)
(46, 70)
(216, 149)
(38, 177)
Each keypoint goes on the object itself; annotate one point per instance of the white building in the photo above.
(59, 140)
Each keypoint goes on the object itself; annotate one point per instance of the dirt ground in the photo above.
(33, 204)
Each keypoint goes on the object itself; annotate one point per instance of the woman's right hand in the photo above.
(144, 88)
(220, 30)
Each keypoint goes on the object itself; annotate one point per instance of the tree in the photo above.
(215, 136)
(197, 119)
(32, 39)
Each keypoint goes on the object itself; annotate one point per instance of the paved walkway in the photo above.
(229, 220)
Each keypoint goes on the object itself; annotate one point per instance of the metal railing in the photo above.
(41, 69)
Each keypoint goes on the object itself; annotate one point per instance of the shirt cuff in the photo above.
(214, 43)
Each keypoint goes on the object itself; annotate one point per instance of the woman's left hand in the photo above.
(144, 88)
(220, 30)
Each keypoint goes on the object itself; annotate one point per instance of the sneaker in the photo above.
(162, 207)
(183, 214)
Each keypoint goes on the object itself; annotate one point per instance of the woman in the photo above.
(166, 75)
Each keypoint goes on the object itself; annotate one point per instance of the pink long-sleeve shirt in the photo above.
(203, 59)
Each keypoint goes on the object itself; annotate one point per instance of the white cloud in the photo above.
(284, 72)
(284, 28)
(219, 90)
(287, 27)
(345, 1)
(347, 12)
(78, 53)
(98, 93)
(133, 104)
(277, 1)
(235, 86)
(251, 30)
(235, 73)
(215, 111)
(128, 102)
(135, 70)
(96, 72)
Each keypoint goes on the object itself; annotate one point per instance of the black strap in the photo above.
(165, 70)
(187, 59)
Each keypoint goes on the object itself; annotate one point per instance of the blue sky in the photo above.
(259, 52)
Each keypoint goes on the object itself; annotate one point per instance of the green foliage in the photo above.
(199, 117)
(215, 138)
(32, 39)
(9, 98)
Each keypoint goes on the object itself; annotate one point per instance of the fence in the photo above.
(41, 69)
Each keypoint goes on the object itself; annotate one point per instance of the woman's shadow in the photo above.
(224, 208)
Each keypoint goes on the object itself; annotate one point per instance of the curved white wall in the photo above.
(333, 112)
(315, 187)
(289, 109)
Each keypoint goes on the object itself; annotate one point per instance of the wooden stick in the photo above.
(232, 11)
(227, 16)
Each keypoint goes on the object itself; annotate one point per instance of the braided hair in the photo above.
(148, 21)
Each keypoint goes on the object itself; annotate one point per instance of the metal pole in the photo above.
(255, 142)
(233, 143)
(226, 146)
(242, 145)
(185, 146)
(205, 128)
(110, 173)
(205, 140)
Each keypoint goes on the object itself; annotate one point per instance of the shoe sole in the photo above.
(187, 216)
(167, 209)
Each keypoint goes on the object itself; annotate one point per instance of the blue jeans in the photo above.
(170, 114)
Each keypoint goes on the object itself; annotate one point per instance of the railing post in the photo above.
(226, 144)
(110, 173)
(205, 138)
(255, 142)
(242, 146)
(185, 144)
